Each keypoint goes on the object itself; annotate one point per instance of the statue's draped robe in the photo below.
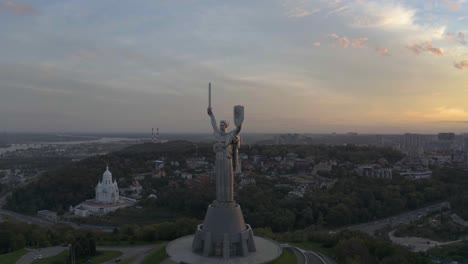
(225, 142)
(224, 165)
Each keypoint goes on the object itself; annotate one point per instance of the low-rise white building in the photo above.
(416, 175)
(132, 191)
(374, 171)
(186, 175)
(196, 162)
(299, 191)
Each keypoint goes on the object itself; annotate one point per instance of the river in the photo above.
(15, 147)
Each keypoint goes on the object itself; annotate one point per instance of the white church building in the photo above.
(107, 198)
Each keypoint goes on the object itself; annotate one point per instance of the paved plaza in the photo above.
(180, 250)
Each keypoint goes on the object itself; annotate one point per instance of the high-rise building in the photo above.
(414, 144)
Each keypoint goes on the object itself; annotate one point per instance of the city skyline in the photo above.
(297, 66)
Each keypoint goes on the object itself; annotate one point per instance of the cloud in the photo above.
(399, 18)
(345, 42)
(448, 114)
(462, 65)
(382, 51)
(339, 41)
(359, 43)
(17, 8)
(416, 48)
(383, 15)
(452, 5)
(298, 9)
(316, 44)
(426, 47)
(435, 51)
(460, 38)
(338, 10)
(458, 121)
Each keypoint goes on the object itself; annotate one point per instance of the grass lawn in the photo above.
(454, 252)
(138, 216)
(12, 257)
(128, 260)
(105, 256)
(156, 257)
(286, 258)
(62, 258)
(316, 247)
(124, 243)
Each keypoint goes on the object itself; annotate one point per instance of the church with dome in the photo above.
(107, 198)
(107, 190)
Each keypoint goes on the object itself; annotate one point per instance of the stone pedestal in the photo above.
(224, 233)
(180, 251)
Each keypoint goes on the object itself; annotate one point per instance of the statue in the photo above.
(224, 232)
(226, 151)
(224, 237)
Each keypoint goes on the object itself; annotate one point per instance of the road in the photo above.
(44, 222)
(404, 218)
(26, 218)
(418, 244)
(44, 252)
(307, 256)
(127, 252)
(301, 258)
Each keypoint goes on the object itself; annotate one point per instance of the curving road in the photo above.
(307, 256)
(393, 221)
(44, 252)
(418, 244)
(127, 252)
(26, 218)
(301, 257)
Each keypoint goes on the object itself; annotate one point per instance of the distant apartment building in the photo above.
(132, 191)
(414, 145)
(299, 191)
(416, 175)
(196, 162)
(324, 167)
(314, 182)
(186, 176)
(440, 159)
(446, 142)
(374, 171)
(288, 139)
(243, 156)
(257, 159)
(291, 157)
(446, 136)
(246, 180)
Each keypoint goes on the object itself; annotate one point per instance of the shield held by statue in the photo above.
(238, 115)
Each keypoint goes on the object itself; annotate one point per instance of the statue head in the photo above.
(223, 125)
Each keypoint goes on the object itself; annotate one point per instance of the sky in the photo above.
(303, 66)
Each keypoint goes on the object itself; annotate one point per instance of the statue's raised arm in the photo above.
(213, 120)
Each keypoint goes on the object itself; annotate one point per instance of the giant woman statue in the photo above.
(225, 148)
(224, 233)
